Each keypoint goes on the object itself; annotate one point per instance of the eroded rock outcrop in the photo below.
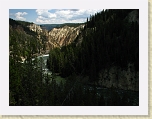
(59, 37)
(35, 28)
(133, 16)
(119, 78)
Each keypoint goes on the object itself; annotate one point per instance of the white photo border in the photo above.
(142, 109)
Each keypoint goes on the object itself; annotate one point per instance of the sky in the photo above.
(52, 16)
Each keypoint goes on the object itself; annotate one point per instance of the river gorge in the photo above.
(131, 96)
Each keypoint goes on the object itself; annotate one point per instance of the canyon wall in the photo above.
(127, 79)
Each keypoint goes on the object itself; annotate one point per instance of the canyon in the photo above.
(56, 37)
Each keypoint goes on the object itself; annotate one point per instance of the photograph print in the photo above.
(73, 57)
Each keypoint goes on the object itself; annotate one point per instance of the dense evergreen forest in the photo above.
(108, 38)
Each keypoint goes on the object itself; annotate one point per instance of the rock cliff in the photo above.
(35, 28)
(133, 16)
(127, 79)
(59, 37)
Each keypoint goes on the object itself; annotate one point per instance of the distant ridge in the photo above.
(51, 26)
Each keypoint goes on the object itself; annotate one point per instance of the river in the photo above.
(47, 71)
(44, 66)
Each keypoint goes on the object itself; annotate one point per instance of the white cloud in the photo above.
(64, 15)
(45, 13)
(19, 16)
